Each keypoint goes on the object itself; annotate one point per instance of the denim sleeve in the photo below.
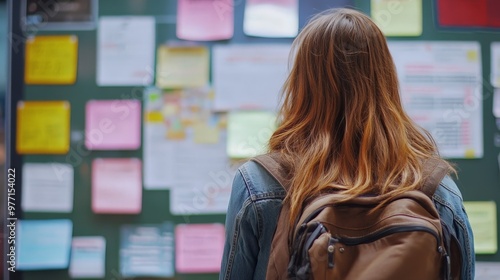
(241, 247)
(449, 203)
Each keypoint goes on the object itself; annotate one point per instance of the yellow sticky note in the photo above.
(179, 67)
(43, 127)
(398, 18)
(249, 133)
(154, 117)
(483, 219)
(51, 60)
(205, 134)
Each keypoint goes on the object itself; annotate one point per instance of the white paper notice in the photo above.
(125, 50)
(202, 183)
(487, 271)
(47, 187)
(495, 64)
(496, 103)
(87, 257)
(441, 88)
(158, 163)
(271, 18)
(249, 76)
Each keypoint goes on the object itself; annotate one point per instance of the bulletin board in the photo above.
(478, 178)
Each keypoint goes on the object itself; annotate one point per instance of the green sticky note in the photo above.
(483, 219)
(398, 18)
(249, 133)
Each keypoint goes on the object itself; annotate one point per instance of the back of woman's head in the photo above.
(342, 121)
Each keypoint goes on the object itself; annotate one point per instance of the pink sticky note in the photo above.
(205, 20)
(199, 248)
(116, 185)
(113, 124)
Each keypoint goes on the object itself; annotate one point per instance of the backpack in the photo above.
(404, 239)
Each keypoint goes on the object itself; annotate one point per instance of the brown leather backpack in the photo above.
(404, 239)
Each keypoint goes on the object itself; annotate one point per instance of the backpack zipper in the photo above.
(350, 241)
(381, 233)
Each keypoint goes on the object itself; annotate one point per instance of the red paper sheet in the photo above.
(467, 13)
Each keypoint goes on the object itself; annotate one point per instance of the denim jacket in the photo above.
(253, 211)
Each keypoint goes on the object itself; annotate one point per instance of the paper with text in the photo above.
(199, 248)
(496, 103)
(51, 60)
(125, 50)
(179, 67)
(249, 133)
(398, 18)
(43, 127)
(202, 179)
(495, 64)
(271, 18)
(147, 250)
(47, 187)
(88, 255)
(36, 238)
(249, 76)
(116, 185)
(483, 220)
(113, 124)
(205, 20)
(487, 270)
(441, 89)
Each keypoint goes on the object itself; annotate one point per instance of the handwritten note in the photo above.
(125, 50)
(483, 219)
(205, 20)
(47, 187)
(271, 18)
(88, 257)
(249, 133)
(113, 124)
(179, 67)
(116, 185)
(36, 238)
(199, 248)
(43, 127)
(398, 18)
(51, 60)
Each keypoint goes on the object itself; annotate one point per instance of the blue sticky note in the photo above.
(147, 250)
(43, 244)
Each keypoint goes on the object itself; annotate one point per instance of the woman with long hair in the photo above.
(342, 126)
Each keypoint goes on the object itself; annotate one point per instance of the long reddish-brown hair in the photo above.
(342, 123)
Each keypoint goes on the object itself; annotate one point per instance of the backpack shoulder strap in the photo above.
(278, 257)
(436, 171)
(272, 163)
